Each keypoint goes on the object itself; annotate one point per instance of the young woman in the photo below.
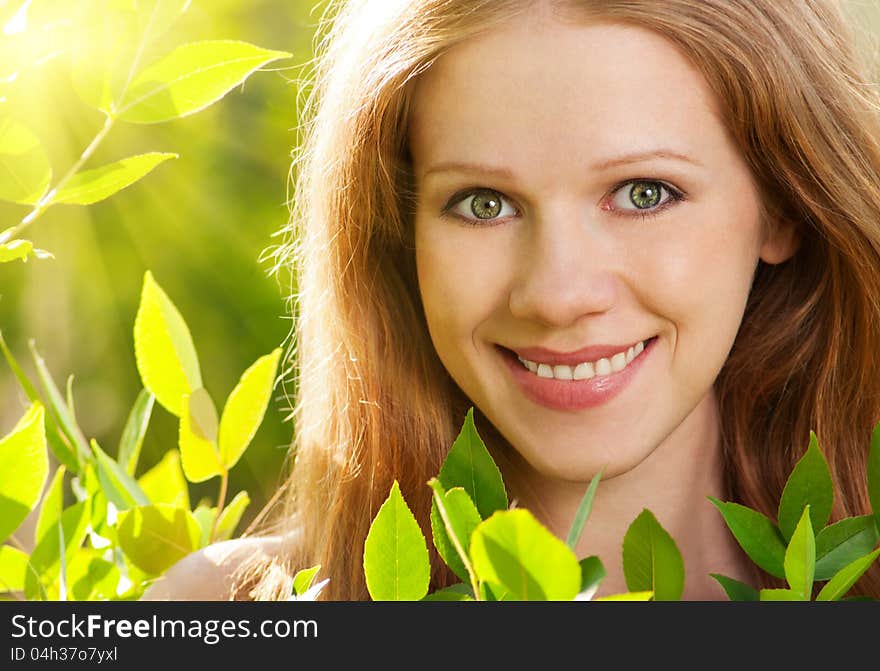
(636, 235)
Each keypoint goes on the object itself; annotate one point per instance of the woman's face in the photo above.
(586, 235)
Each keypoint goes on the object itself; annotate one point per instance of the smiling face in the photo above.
(586, 235)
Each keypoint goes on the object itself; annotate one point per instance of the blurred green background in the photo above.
(200, 223)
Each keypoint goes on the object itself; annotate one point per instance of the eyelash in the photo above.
(674, 196)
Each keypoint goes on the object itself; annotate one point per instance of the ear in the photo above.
(781, 241)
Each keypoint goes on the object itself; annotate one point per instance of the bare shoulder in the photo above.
(207, 575)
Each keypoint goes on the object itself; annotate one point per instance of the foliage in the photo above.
(121, 531)
(506, 554)
(108, 74)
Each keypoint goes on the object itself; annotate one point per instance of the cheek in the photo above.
(444, 274)
(699, 282)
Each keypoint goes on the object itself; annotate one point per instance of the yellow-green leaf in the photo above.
(24, 465)
(203, 415)
(164, 350)
(13, 567)
(205, 516)
(246, 407)
(45, 560)
(200, 458)
(164, 483)
(117, 485)
(231, 516)
(190, 78)
(396, 565)
(91, 186)
(512, 549)
(25, 172)
(53, 503)
(154, 537)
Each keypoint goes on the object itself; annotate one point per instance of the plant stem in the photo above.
(46, 201)
(221, 500)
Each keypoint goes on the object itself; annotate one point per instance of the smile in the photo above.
(579, 380)
(586, 369)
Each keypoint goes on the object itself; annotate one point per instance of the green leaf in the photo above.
(583, 512)
(396, 562)
(91, 186)
(202, 415)
(190, 78)
(132, 439)
(53, 503)
(164, 350)
(24, 465)
(874, 474)
(513, 550)
(592, 574)
(119, 487)
(736, 590)
(13, 567)
(780, 595)
(651, 560)
(457, 592)
(843, 542)
(155, 537)
(205, 516)
(15, 250)
(231, 516)
(304, 578)
(800, 557)
(470, 465)
(846, 578)
(164, 483)
(54, 436)
(463, 518)
(58, 408)
(92, 578)
(808, 484)
(25, 172)
(200, 458)
(46, 558)
(246, 407)
(756, 534)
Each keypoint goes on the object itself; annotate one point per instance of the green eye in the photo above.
(645, 195)
(480, 206)
(485, 204)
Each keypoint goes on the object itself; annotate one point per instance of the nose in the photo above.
(567, 272)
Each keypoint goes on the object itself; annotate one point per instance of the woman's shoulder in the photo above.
(209, 574)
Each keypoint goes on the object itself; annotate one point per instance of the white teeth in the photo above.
(583, 371)
(562, 372)
(587, 369)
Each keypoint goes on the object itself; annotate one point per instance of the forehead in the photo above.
(538, 90)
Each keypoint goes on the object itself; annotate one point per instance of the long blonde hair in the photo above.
(373, 403)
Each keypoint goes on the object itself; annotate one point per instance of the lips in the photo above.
(574, 394)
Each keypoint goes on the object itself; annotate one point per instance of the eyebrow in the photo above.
(613, 162)
(641, 156)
